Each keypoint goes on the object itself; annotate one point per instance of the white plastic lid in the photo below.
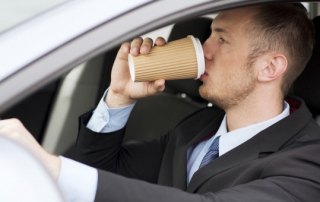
(199, 54)
(131, 67)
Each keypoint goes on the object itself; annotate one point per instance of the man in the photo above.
(254, 147)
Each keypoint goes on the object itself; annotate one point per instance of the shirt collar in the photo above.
(230, 140)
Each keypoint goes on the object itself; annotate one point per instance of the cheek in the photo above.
(224, 68)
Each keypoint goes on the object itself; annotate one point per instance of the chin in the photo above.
(213, 97)
(205, 93)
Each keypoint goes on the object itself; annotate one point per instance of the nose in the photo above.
(207, 51)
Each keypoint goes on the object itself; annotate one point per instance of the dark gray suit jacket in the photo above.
(281, 163)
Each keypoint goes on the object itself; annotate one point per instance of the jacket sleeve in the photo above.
(298, 179)
(105, 151)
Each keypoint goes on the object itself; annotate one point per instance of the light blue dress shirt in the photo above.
(228, 140)
(105, 119)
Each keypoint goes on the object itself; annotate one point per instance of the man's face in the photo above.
(228, 77)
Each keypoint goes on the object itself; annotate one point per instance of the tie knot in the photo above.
(212, 153)
(215, 144)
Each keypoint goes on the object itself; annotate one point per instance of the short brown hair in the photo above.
(283, 27)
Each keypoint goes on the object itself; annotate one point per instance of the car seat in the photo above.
(200, 28)
(307, 84)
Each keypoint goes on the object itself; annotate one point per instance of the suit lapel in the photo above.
(245, 152)
(180, 154)
(268, 140)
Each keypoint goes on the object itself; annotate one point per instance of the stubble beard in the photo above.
(232, 91)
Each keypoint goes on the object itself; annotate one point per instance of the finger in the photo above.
(6, 122)
(124, 51)
(160, 41)
(7, 131)
(146, 45)
(2, 123)
(135, 46)
(157, 87)
(125, 47)
(159, 84)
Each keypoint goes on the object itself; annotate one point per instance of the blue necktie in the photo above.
(212, 153)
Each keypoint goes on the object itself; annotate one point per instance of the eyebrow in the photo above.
(220, 30)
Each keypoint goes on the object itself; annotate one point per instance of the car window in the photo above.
(60, 115)
(17, 11)
(92, 78)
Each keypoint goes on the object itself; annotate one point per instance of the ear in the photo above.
(272, 66)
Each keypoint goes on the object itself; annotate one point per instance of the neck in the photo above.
(253, 110)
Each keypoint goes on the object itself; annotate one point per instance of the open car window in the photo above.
(54, 106)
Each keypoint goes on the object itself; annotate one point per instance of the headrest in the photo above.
(307, 85)
(199, 28)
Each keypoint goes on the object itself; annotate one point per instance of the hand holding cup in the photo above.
(123, 91)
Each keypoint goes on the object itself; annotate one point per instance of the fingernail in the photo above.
(135, 50)
(145, 49)
(126, 49)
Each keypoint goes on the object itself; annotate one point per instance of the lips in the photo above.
(203, 76)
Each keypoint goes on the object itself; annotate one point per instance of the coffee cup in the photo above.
(180, 59)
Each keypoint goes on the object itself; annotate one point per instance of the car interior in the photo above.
(51, 114)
